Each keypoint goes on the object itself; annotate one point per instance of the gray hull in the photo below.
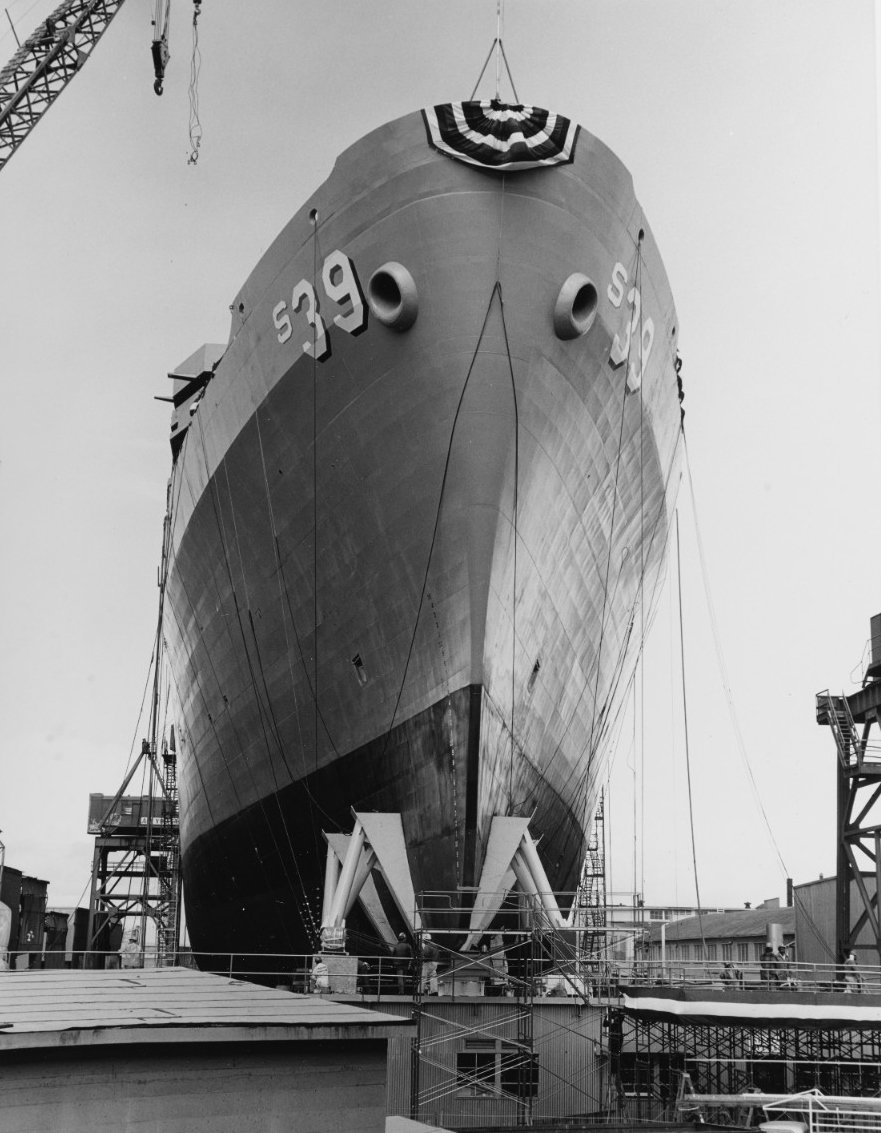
(411, 575)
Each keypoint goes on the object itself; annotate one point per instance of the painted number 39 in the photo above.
(342, 286)
(639, 334)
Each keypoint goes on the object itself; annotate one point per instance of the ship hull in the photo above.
(411, 574)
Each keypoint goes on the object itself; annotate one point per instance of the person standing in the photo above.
(320, 976)
(429, 965)
(403, 955)
(731, 976)
(853, 980)
(769, 968)
(784, 975)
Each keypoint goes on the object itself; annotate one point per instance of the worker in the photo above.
(319, 976)
(853, 980)
(130, 954)
(429, 965)
(403, 955)
(769, 967)
(783, 973)
(731, 976)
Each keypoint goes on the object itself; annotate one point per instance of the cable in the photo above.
(726, 685)
(516, 538)
(496, 287)
(697, 891)
(195, 67)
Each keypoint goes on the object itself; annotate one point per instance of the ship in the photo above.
(418, 517)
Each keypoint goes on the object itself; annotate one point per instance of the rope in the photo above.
(195, 68)
(284, 592)
(608, 725)
(614, 517)
(496, 287)
(720, 659)
(211, 483)
(697, 892)
(313, 216)
(515, 517)
(593, 733)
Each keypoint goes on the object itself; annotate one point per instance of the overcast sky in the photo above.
(750, 131)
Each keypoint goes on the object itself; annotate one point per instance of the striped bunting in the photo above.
(494, 135)
(804, 1009)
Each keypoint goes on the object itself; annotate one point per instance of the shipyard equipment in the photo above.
(48, 59)
(852, 720)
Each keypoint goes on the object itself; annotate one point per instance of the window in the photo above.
(726, 951)
(711, 952)
(476, 1070)
(743, 952)
(636, 1073)
(758, 950)
(518, 1073)
(486, 1068)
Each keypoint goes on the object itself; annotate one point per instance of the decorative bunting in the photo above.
(494, 135)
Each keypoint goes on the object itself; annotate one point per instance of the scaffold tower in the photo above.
(591, 898)
(136, 879)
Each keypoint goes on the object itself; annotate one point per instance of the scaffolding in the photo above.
(591, 896)
(475, 1052)
(136, 877)
(136, 866)
(649, 1061)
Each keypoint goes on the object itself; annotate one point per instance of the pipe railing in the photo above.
(502, 971)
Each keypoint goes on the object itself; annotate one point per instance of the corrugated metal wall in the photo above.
(815, 921)
(566, 1039)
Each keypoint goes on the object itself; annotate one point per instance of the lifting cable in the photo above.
(697, 891)
(284, 593)
(593, 735)
(614, 516)
(314, 220)
(496, 288)
(720, 659)
(729, 699)
(195, 68)
(262, 710)
(641, 656)
(611, 725)
(499, 49)
(211, 483)
(515, 533)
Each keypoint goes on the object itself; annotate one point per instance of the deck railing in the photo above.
(508, 971)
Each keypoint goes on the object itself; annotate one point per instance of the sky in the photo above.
(749, 127)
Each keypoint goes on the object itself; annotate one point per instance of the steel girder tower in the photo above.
(136, 863)
(852, 719)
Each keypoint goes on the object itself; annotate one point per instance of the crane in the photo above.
(49, 58)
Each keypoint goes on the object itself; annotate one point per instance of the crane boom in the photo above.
(45, 63)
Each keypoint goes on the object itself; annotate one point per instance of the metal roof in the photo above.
(43, 1008)
(742, 924)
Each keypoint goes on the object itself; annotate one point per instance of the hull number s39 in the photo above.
(340, 284)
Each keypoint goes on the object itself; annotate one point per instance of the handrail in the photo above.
(499, 971)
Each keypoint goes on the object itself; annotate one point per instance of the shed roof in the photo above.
(55, 1008)
(741, 924)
